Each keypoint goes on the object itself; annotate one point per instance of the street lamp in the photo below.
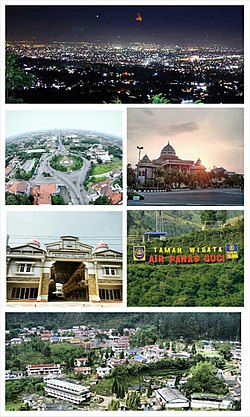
(139, 158)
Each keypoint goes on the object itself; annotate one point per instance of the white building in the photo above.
(13, 374)
(211, 401)
(102, 372)
(67, 390)
(99, 153)
(171, 398)
(85, 370)
(81, 362)
(44, 369)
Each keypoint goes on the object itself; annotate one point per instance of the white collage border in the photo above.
(245, 311)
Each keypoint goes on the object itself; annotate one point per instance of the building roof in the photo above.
(171, 395)
(17, 187)
(115, 197)
(64, 383)
(28, 247)
(156, 233)
(82, 368)
(168, 150)
(42, 193)
(45, 365)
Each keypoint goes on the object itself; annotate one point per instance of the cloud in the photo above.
(148, 112)
(175, 129)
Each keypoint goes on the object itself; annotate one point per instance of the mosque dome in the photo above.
(168, 150)
(100, 246)
(145, 158)
(34, 242)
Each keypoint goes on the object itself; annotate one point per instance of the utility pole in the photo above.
(139, 158)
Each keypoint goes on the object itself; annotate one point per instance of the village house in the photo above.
(44, 369)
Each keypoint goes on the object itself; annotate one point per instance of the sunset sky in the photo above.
(216, 136)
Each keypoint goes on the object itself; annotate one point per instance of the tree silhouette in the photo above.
(16, 78)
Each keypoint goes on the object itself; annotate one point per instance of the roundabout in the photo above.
(66, 163)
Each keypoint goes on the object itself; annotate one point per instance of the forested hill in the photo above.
(189, 284)
(222, 326)
(174, 222)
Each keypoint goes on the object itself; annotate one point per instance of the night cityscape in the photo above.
(125, 54)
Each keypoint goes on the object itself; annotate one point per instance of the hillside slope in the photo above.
(189, 284)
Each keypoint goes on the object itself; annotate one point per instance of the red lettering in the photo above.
(220, 258)
(160, 258)
(151, 259)
(184, 259)
(190, 259)
(171, 259)
(178, 259)
(196, 258)
(213, 258)
(206, 258)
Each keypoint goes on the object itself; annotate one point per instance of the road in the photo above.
(207, 197)
(73, 181)
(64, 305)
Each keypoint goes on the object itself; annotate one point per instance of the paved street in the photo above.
(62, 305)
(72, 180)
(207, 197)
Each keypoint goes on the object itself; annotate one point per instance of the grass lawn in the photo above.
(97, 179)
(103, 387)
(101, 168)
(209, 354)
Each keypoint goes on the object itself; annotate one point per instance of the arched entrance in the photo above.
(68, 281)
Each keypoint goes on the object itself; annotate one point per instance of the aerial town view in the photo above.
(124, 54)
(185, 157)
(61, 260)
(126, 361)
(55, 165)
(185, 258)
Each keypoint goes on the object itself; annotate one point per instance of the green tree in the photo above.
(193, 349)
(131, 177)
(208, 217)
(18, 199)
(133, 401)
(113, 405)
(57, 200)
(222, 216)
(149, 391)
(102, 200)
(119, 386)
(16, 78)
(225, 350)
(204, 379)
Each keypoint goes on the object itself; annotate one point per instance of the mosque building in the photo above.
(168, 161)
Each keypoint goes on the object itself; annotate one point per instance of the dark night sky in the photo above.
(161, 24)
